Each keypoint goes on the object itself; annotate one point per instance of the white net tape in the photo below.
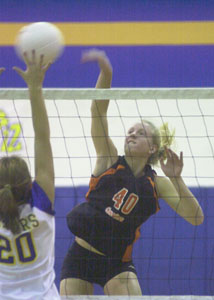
(120, 94)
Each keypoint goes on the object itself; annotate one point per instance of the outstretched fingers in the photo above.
(41, 61)
(171, 154)
(31, 59)
(35, 71)
(47, 66)
(33, 56)
(26, 58)
(19, 71)
(171, 157)
(174, 156)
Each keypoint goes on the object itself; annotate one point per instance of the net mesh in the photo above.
(189, 111)
(171, 257)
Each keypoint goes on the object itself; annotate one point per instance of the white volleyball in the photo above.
(43, 37)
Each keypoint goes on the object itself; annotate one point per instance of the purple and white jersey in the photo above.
(27, 259)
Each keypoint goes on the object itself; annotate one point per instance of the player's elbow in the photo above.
(197, 219)
(200, 220)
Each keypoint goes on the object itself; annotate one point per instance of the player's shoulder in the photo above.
(103, 164)
(40, 200)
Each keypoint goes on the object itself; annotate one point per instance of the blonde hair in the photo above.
(162, 137)
(15, 184)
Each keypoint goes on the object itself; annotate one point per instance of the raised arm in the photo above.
(34, 77)
(105, 149)
(175, 192)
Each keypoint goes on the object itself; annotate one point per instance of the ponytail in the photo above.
(166, 139)
(15, 189)
(163, 138)
(9, 211)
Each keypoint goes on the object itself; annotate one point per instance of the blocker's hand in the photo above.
(35, 72)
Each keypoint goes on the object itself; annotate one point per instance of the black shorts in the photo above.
(92, 267)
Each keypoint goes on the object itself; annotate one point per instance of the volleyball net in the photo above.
(171, 257)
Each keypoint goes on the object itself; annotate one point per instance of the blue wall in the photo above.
(141, 66)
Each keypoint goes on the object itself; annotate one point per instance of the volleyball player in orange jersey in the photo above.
(123, 194)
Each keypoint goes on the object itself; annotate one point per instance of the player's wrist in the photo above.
(34, 87)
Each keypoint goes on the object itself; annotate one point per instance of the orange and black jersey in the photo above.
(117, 204)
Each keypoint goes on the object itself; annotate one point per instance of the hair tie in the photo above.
(7, 186)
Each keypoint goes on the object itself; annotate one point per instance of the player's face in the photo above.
(139, 141)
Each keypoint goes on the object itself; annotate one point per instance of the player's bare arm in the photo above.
(175, 192)
(34, 77)
(105, 149)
